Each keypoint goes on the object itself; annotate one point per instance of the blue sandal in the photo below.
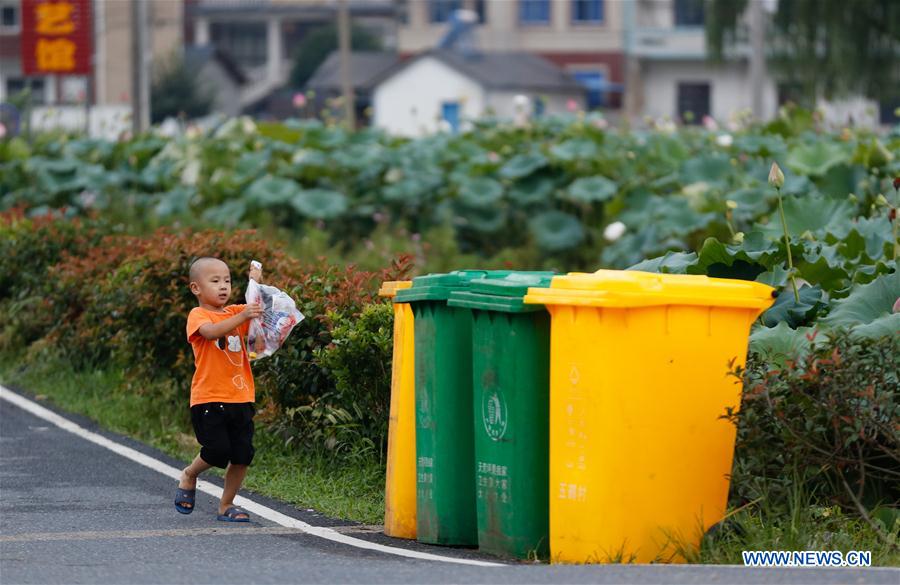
(183, 496)
(232, 513)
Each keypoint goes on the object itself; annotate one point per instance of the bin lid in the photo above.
(437, 287)
(628, 288)
(501, 294)
(389, 288)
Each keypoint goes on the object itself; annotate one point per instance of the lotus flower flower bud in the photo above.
(776, 177)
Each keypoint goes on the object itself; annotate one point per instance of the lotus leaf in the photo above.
(781, 343)
(866, 302)
(413, 190)
(591, 190)
(556, 231)
(522, 165)
(788, 310)
(751, 203)
(480, 192)
(175, 202)
(810, 214)
(320, 203)
(533, 190)
(765, 145)
(250, 166)
(670, 263)
(840, 180)
(884, 326)
(711, 169)
(815, 159)
(575, 149)
(271, 190)
(486, 220)
(227, 214)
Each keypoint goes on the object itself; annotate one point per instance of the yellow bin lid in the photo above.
(389, 288)
(629, 288)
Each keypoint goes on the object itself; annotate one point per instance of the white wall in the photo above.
(409, 103)
(730, 92)
(730, 89)
(503, 102)
(860, 111)
(106, 121)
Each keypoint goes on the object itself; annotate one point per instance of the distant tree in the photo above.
(821, 47)
(176, 91)
(319, 43)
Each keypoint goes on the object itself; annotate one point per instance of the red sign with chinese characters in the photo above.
(56, 37)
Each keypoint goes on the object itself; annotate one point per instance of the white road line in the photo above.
(132, 534)
(215, 491)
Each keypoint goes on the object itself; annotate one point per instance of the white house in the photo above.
(668, 72)
(443, 89)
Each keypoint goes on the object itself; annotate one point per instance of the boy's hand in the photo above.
(256, 271)
(251, 311)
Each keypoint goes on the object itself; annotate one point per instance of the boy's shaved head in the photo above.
(200, 265)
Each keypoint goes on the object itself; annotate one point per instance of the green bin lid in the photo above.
(437, 287)
(501, 294)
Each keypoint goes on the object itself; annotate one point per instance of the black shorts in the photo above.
(225, 432)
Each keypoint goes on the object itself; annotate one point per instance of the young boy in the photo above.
(222, 390)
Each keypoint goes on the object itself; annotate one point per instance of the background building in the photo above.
(444, 89)
(584, 37)
(111, 85)
(262, 36)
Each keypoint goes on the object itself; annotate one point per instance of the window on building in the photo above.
(73, 89)
(534, 11)
(693, 102)
(689, 13)
(403, 11)
(442, 10)
(792, 93)
(16, 85)
(9, 16)
(480, 11)
(587, 11)
(888, 110)
(244, 41)
(450, 114)
(594, 82)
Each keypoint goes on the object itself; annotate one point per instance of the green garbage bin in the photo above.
(511, 379)
(445, 477)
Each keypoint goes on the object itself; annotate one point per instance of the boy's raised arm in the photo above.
(217, 330)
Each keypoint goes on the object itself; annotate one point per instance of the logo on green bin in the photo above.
(494, 414)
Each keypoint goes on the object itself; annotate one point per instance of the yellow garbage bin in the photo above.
(400, 484)
(640, 364)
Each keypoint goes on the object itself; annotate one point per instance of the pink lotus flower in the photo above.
(572, 105)
(299, 100)
(2, 130)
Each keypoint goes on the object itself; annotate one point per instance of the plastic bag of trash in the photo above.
(280, 316)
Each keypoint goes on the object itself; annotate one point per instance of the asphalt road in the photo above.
(72, 511)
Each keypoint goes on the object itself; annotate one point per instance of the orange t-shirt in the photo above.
(222, 366)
